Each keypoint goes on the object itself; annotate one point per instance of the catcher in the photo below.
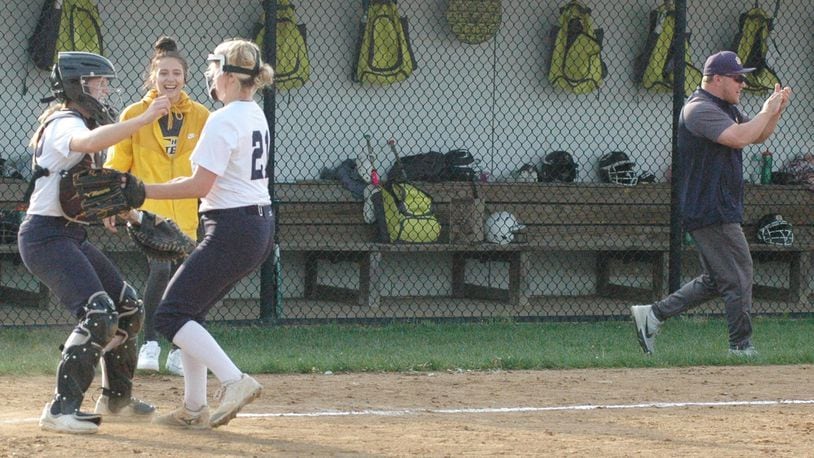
(53, 245)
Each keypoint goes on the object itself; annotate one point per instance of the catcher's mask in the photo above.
(616, 167)
(772, 229)
(218, 65)
(87, 80)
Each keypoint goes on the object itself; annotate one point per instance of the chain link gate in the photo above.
(549, 175)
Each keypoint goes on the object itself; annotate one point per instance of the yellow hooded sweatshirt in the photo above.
(144, 154)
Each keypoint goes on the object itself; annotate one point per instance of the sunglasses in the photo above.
(740, 79)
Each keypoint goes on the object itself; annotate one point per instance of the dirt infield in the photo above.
(703, 411)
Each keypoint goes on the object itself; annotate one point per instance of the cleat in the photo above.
(647, 326)
(148, 356)
(233, 397)
(75, 423)
(132, 409)
(174, 364)
(185, 418)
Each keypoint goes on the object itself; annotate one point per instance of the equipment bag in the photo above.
(576, 58)
(65, 25)
(293, 69)
(409, 214)
(429, 167)
(654, 67)
(474, 21)
(751, 46)
(383, 52)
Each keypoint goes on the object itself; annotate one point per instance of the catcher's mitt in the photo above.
(105, 192)
(160, 238)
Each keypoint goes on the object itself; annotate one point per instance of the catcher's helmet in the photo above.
(558, 166)
(772, 229)
(616, 167)
(68, 83)
(501, 228)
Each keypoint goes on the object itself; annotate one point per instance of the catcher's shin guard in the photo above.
(121, 355)
(81, 352)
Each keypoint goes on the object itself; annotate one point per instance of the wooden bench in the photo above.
(614, 223)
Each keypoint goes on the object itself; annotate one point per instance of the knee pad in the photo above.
(101, 320)
(131, 312)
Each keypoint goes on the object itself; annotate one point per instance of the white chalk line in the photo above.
(494, 410)
(498, 410)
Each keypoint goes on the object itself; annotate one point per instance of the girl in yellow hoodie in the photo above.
(157, 153)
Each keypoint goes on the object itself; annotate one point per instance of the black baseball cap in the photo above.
(725, 63)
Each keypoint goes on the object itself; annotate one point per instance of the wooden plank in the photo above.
(23, 297)
(325, 213)
(9, 248)
(332, 191)
(534, 213)
(596, 193)
(797, 214)
(777, 194)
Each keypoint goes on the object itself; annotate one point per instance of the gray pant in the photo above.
(726, 272)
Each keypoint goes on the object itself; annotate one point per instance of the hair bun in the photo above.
(165, 44)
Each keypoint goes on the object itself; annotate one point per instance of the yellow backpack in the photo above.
(293, 68)
(751, 46)
(655, 65)
(384, 55)
(409, 214)
(576, 57)
(65, 25)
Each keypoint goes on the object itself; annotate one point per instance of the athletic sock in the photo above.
(194, 382)
(198, 343)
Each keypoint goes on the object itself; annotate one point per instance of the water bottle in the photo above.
(766, 167)
(756, 168)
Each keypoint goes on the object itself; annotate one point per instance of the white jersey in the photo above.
(55, 156)
(234, 145)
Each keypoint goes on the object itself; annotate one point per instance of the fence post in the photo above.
(270, 306)
(679, 45)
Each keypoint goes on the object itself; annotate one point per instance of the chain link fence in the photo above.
(547, 157)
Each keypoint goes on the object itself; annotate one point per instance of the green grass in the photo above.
(428, 346)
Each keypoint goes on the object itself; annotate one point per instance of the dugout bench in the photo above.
(615, 223)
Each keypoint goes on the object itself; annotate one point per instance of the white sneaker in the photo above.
(185, 418)
(233, 397)
(647, 326)
(746, 351)
(78, 423)
(175, 365)
(148, 356)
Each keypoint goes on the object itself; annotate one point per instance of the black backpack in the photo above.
(427, 167)
(432, 167)
(460, 165)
